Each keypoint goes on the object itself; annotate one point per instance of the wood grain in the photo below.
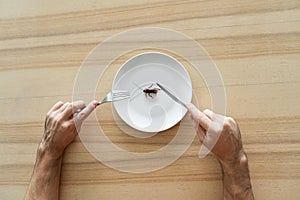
(255, 44)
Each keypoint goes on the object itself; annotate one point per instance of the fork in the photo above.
(114, 95)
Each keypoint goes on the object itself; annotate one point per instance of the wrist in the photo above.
(45, 161)
(45, 178)
(47, 168)
(48, 154)
(236, 178)
(237, 163)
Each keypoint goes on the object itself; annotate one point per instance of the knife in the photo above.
(171, 95)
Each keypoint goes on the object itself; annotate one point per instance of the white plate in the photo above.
(159, 113)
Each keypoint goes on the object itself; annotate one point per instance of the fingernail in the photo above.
(95, 103)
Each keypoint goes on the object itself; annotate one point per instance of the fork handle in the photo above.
(79, 110)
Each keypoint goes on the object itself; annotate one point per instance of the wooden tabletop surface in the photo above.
(255, 44)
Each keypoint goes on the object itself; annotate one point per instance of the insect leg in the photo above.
(150, 85)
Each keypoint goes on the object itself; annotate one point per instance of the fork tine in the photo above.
(115, 95)
(120, 95)
(120, 98)
(119, 92)
(124, 96)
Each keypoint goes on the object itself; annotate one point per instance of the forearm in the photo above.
(236, 180)
(60, 130)
(45, 179)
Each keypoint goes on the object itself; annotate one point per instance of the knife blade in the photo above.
(171, 95)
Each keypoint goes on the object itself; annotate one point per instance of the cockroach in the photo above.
(149, 90)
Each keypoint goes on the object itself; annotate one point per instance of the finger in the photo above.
(201, 133)
(56, 106)
(77, 106)
(82, 115)
(199, 130)
(202, 119)
(195, 125)
(208, 113)
(63, 107)
(72, 107)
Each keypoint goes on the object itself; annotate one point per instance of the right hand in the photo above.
(222, 137)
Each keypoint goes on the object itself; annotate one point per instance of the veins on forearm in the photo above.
(236, 180)
(45, 179)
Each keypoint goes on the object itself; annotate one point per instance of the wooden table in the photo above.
(255, 44)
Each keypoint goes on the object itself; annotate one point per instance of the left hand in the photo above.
(60, 128)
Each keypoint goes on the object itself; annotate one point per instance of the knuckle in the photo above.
(69, 106)
(59, 119)
(67, 126)
(231, 120)
(50, 116)
(229, 123)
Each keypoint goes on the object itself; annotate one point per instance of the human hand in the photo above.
(60, 126)
(220, 134)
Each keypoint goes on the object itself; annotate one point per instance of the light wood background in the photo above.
(255, 44)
